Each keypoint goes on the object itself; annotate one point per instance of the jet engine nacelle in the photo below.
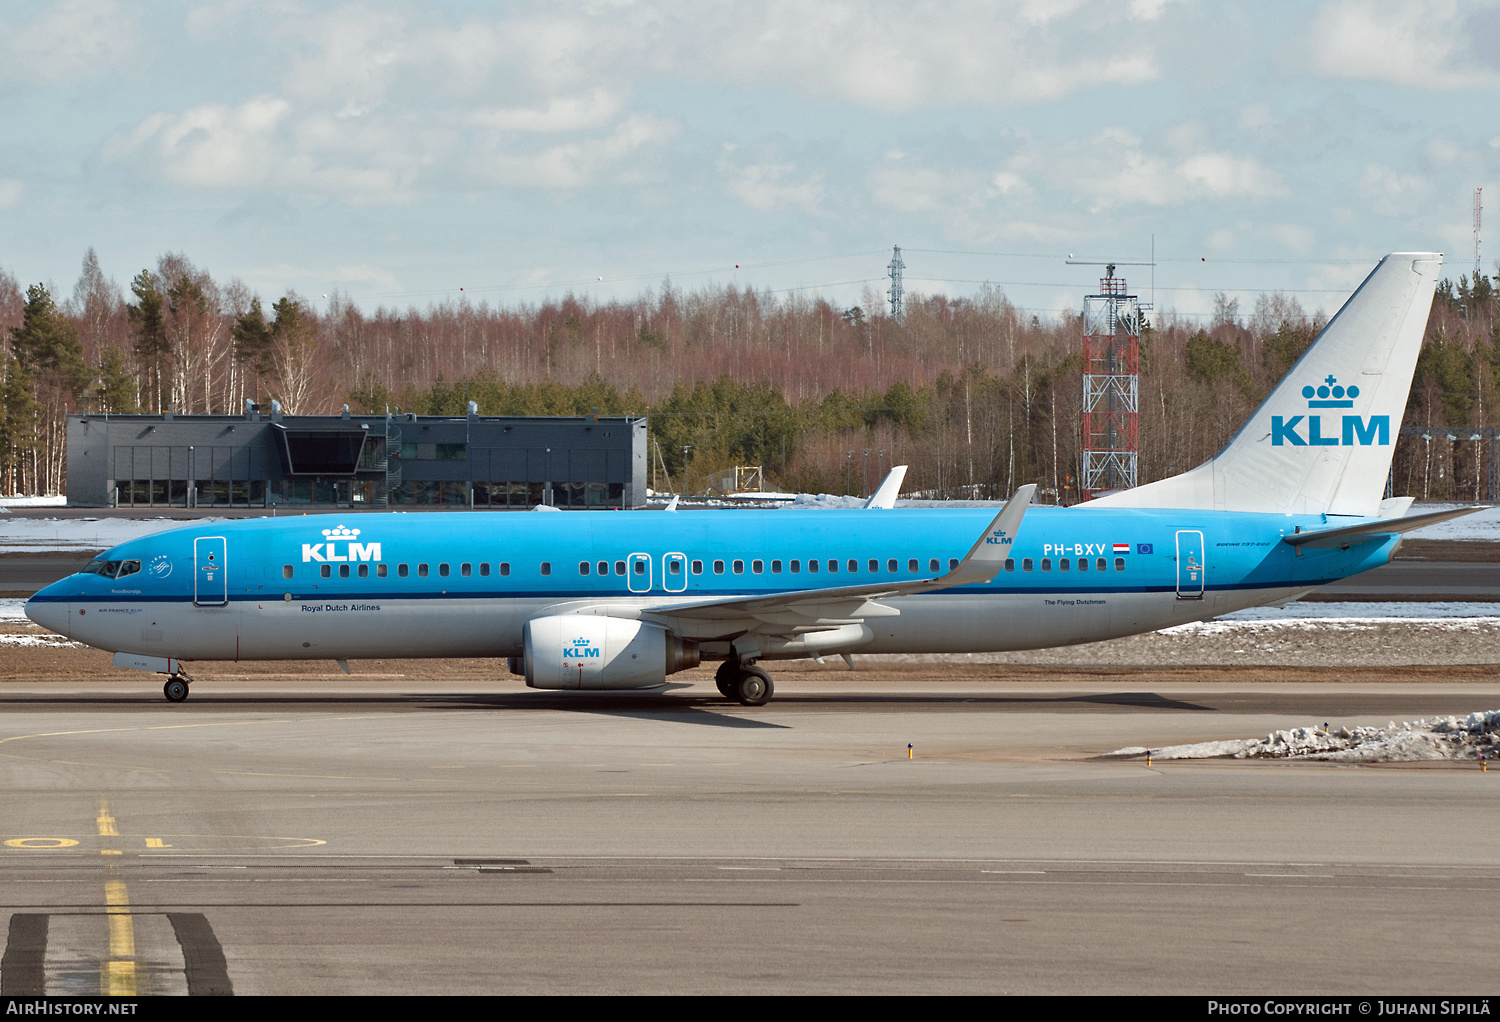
(586, 652)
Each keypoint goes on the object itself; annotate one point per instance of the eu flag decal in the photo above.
(1143, 548)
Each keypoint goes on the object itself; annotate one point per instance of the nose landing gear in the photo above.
(744, 682)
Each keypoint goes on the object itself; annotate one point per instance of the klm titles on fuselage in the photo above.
(328, 551)
(1353, 430)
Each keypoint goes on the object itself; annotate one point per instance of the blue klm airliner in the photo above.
(621, 601)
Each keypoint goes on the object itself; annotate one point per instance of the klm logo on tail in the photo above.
(1352, 430)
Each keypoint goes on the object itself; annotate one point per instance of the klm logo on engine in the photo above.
(581, 649)
(329, 551)
(1351, 431)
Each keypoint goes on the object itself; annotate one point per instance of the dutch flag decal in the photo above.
(1122, 548)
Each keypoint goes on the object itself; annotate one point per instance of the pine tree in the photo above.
(117, 389)
(148, 320)
(47, 346)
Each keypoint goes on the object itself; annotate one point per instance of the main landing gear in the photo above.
(744, 683)
(176, 688)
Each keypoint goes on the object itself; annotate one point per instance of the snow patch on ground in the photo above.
(49, 640)
(40, 535)
(57, 500)
(1442, 738)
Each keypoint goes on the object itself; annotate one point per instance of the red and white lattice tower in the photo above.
(1111, 387)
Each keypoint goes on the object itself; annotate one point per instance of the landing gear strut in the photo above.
(176, 688)
(745, 683)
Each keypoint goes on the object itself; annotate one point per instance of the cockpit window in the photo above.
(111, 569)
(128, 568)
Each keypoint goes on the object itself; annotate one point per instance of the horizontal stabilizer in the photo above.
(1351, 534)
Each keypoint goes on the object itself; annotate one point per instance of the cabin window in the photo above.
(505, 567)
(583, 567)
(1102, 564)
(718, 567)
(1046, 564)
(402, 570)
(853, 564)
(952, 563)
(739, 567)
(892, 565)
(674, 567)
(380, 570)
(1063, 564)
(364, 571)
(484, 568)
(795, 566)
(776, 567)
(1026, 564)
(546, 567)
(874, 566)
(812, 566)
(466, 569)
(286, 571)
(1083, 564)
(912, 565)
(1119, 564)
(602, 568)
(1010, 564)
(619, 567)
(697, 567)
(443, 569)
(326, 570)
(343, 571)
(932, 565)
(421, 571)
(757, 566)
(833, 565)
(639, 567)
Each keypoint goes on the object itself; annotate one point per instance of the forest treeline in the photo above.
(975, 394)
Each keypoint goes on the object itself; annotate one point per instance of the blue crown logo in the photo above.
(1330, 394)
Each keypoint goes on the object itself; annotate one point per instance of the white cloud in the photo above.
(10, 192)
(1295, 237)
(771, 187)
(1435, 45)
(69, 41)
(1390, 191)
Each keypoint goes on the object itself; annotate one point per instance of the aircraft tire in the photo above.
(753, 687)
(726, 679)
(176, 690)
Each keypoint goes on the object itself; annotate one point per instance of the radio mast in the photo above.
(896, 294)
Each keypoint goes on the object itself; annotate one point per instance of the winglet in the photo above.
(987, 556)
(890, 488)
(671, 504)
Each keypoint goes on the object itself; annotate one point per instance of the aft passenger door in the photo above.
(210, 580)
(1190, 566)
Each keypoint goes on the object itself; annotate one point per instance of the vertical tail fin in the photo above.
(1322, 442)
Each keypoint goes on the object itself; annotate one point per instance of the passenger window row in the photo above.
(402, 570)
(1063, 564)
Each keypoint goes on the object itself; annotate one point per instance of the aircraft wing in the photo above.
(845, 604)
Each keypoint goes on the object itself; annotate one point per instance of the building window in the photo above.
(364, 571)
(619, 567)
(286, 571)
(421, 571)
(1010, 564)
(757, 566)
(546, 567)
(452, 452)
(697, 567)
(466, 569)
(325, 570)
(484, 568)
(402, 570)
(505, 567)
(380, 571)
(1119, 564)
(1026, 564)
(718, 567)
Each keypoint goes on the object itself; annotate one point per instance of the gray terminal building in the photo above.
(355, 461)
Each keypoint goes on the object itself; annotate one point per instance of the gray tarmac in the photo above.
(369, 836)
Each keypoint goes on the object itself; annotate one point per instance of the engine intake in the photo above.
(586, 652)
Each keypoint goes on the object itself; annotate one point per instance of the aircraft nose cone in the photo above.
(48, 611)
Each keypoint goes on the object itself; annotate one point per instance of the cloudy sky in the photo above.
(401, 150)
